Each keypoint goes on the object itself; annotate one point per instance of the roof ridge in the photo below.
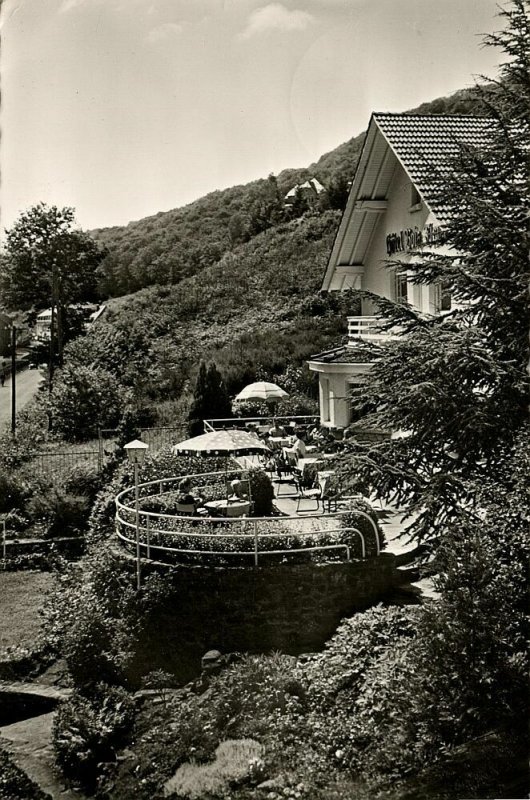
(430, 116)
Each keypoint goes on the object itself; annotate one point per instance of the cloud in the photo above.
(164, 32)
(276, 17)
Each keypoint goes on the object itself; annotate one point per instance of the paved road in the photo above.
(27, 383)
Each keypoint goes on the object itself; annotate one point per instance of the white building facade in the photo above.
(394, 207)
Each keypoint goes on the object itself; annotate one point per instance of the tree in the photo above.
(456, 384)
(267, 208)
(338, 190)
(210, 399)
(48, 262)
(84, 399)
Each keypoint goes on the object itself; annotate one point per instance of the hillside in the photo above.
(257, 309)
(172, 245)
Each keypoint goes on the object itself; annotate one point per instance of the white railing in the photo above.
(367, 328)
(259, 422)
(225, 537)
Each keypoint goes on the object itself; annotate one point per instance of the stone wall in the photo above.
(292, 608)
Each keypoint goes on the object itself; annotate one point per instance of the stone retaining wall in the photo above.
(292, 608)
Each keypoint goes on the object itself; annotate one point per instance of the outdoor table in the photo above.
(228, 508)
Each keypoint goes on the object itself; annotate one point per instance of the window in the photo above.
(400, 287)
(442, 297)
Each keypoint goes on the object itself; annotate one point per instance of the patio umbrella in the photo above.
(222, 443)
(262, 390)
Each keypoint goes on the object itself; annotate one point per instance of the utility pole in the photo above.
(13, 379)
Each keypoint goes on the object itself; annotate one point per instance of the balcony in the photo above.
(367, 328)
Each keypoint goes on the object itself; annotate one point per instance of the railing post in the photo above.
(4, 544)
(255, 543)
(148, 529)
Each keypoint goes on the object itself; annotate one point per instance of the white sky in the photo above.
(123, 108)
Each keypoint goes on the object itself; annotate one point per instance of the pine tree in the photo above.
(210, 399)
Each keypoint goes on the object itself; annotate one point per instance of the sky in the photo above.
(124, 108)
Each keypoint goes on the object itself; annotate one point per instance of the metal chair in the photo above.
(307, 491)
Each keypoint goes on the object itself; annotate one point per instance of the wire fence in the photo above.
(56, 465)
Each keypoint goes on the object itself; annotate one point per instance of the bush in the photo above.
(261, 492)
(12, 492)
(62, 512)
(83, 399)
(88, 730)
(84, 480)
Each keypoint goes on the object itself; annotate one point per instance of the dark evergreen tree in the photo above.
(210, 399)
(337, 192)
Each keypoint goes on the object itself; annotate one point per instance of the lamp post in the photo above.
(136, 451)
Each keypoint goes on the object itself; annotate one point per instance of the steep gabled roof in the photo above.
(426, 145)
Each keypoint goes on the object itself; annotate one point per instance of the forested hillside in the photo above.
(255, 312)
(172, 245)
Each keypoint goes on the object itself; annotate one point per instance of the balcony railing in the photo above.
(367, 328)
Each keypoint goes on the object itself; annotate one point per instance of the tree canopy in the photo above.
(49, 263)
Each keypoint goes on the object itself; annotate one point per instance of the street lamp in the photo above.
(136, 451)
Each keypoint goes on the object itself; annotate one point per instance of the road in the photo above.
(27, 383)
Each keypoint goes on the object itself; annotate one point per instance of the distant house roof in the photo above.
(425, 145)
(312, 184)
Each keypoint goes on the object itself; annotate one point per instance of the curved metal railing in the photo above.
(154, 532)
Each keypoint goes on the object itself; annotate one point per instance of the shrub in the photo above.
(12, 493)
(84, 480)
(83, 399)
(88, 729)
(261, 492)
(62, 512)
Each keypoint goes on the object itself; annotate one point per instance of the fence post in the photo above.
(255, 543)
(4, 545)
(100, 450)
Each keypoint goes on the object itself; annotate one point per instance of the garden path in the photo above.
(29, 742)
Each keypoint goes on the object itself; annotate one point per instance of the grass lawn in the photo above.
(21, 594)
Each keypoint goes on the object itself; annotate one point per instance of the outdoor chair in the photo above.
(189, 510)
(306, 490)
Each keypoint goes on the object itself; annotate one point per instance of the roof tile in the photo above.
(426, 145)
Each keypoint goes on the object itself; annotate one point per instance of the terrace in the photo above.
(307, 518)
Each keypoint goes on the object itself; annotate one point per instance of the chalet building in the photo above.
(393, 208)
(310, 190)
(43, 323)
